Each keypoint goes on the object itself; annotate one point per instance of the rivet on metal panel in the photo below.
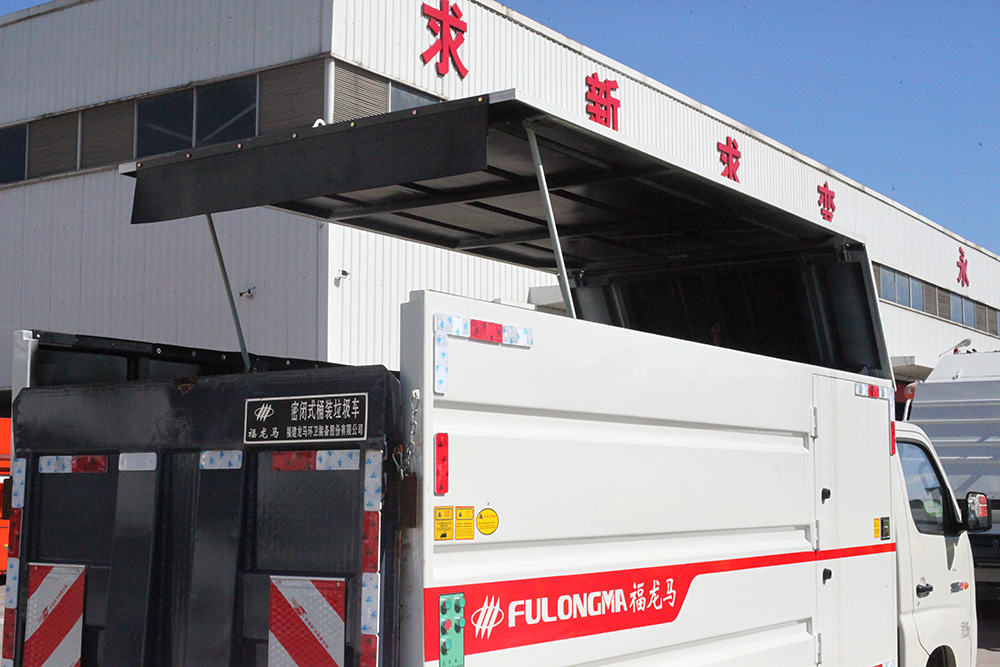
(187, 155)
(295, 135)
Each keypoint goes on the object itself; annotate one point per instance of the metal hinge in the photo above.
(814, 423)
(819, 648)
(815, 535)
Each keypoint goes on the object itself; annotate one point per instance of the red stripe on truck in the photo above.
(508, 614)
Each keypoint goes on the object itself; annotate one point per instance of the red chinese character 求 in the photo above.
(442, 22)
(729, 155)
(601, 106)
(826, 206)
(963, 268)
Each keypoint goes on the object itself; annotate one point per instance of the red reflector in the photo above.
(369, 543)
(488, 331)
(892, 438)
(14, 534)
(441, 463)
(872, 391)
(90, 464)
(302, 460)
(369, 651)
(9, 625)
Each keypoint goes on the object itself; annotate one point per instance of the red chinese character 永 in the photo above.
(442, 22)
(729, 155)
(826, 206)
(601, 106)
(963, 268)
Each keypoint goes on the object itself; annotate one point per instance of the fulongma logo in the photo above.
(532, 611)
(263, 412)
(487, 617)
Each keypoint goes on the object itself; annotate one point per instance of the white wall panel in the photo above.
(913, 334)
(70, 262)
(382, 271)
(506, 50)
(85, 54)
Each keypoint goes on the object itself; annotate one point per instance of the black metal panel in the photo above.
(213, 569)
(127, 628)
(179, 559)
(446, 140)
(75, 521)
(308, 521)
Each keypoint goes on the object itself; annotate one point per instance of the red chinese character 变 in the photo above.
(601, 106)
(729, 155)
(963, 268)
(826, 206)
(442, 22)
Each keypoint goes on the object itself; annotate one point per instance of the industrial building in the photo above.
(89, 85)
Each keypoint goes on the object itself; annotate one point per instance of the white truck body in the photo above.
(649, 515)
(701, 470)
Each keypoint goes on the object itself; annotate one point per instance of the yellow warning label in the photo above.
(487, 521)
(464, 518)
(878, 529)
(444, 523)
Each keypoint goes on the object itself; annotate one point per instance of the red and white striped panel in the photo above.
(54, 622)
(306, 627)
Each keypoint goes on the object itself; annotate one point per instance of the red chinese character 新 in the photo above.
(963, 268)
(442, 22)
(601, 106)
(826, 206)
(729, 155)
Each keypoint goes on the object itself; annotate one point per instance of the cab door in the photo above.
(936, 594)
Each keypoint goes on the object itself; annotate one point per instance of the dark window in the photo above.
(916, 294)
(165, 123)
(292, 97)
(956, 308)
(888, 284)
(968, 312)
(924, 489)
(13, 141)
(52, 148)
(404, 97)
(902, 289)
(107, 134)
(227, 111)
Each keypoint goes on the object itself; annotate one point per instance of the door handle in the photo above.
(923, 590)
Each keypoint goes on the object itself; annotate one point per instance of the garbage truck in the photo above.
(692, 461)
(958, 405)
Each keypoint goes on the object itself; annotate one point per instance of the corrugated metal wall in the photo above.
(95, 52)
(381, 273)
(70, 262)
(908, 333)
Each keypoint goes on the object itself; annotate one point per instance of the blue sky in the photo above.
(903, 97)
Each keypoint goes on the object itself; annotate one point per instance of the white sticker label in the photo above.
(227, 459)
(373, 481)
(17, 475)
(440, 363)
(451, 325)
(518, 336)
(370, 596)
(137, 462)
(55, 464)
(332, 459)
(13, 574)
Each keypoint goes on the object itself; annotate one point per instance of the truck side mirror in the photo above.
(978, 517)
